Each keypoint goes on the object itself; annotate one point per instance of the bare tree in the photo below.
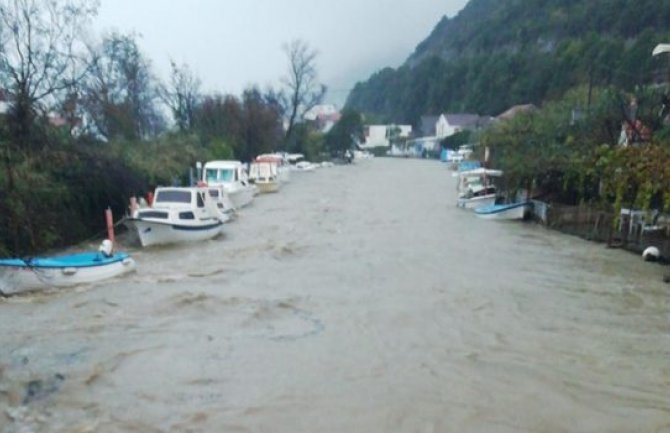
(40, 60)
(121, 94)
(41, 56)
(182, 95)
(304, 90)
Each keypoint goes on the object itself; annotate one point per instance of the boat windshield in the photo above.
(172, 196)
(213, 175)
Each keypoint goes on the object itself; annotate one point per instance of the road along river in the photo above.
(358, 299)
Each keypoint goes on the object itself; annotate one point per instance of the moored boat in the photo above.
(232, 176)
(475, 188)
(178, 214)
(283, 166)
(223, 203)
(265, 176)
(509, 211)
(25, 275)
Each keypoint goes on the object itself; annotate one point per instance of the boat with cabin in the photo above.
(265, 176)
(234, 179)
(283, 166)
(178, 214)
(475, 188)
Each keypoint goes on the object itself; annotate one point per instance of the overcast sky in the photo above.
(231, 44)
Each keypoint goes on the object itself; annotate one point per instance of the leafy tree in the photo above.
(347, 131)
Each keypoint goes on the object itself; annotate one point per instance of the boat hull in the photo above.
(18, 276)
(477, 202)
(162, 233)
(514, 211)
(267, 187)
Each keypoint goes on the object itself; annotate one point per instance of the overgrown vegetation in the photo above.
(580, 155)
(85, 127)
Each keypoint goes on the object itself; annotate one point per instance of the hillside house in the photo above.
(450, 124)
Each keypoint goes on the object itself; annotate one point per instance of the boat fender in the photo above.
(106, 248)
(651, 254)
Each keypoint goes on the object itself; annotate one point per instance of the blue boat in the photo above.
(509, 211)
(23, 275)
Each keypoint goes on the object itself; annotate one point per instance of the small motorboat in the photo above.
(509, 211)
(283, 166)
(178, 214)
(234, 179)
(265, 176)
(25, 275)
(475, 188)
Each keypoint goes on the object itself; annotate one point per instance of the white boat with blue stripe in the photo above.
(178, 214)
(510, 211)
(25, 275)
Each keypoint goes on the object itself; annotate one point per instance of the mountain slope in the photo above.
(494, 54)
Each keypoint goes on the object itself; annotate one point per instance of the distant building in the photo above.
(450, 124)
(428, 125)
(325, 116)
(384, 135)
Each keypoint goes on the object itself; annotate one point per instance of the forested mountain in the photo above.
(498, 53)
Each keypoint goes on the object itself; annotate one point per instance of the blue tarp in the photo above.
(469, 165)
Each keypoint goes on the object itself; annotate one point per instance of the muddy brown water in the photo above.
(358, 299)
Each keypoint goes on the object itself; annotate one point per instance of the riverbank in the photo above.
(366, 305)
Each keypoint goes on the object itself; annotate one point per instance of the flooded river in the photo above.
(358, 299)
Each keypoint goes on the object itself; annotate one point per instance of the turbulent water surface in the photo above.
(358, 299)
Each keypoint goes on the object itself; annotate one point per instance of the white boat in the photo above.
(265, 176)
(223, 203)
(25, 275)
(232, 176)
(510, 211)
(298, 163)
(283, 166)
(475, 188)
(178, 214)
(305, 166)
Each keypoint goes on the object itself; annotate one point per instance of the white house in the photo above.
(449, 124)
(381, 135)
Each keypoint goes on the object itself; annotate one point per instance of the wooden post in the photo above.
(110, 224)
